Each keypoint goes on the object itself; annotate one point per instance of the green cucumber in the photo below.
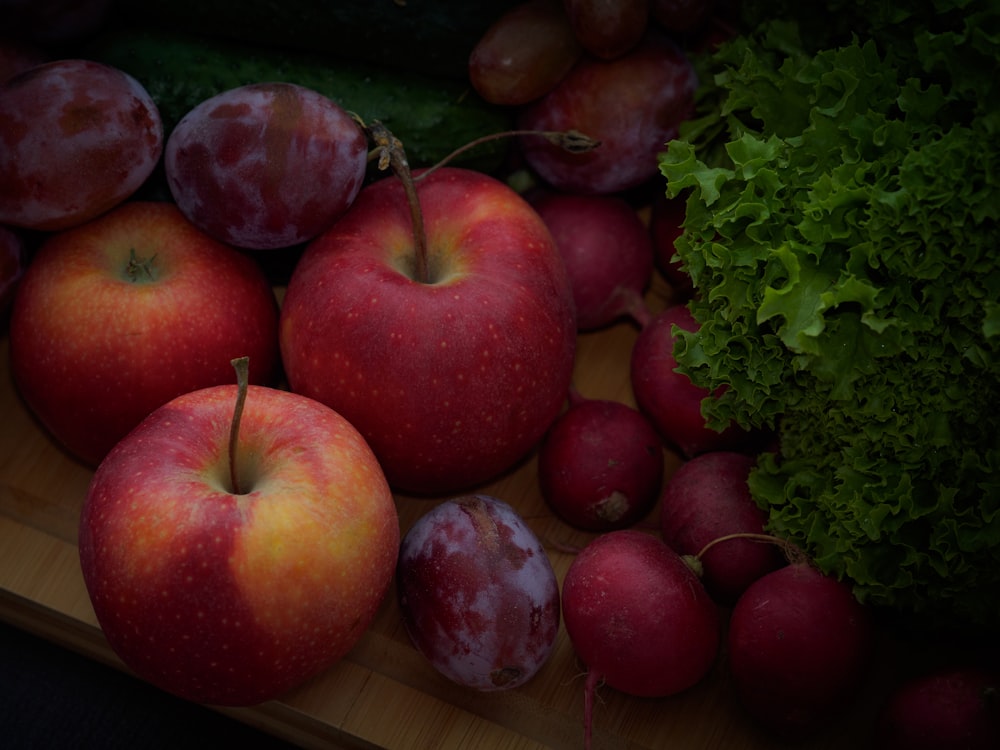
(431, 116)
(428, 36)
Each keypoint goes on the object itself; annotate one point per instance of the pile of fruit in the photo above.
(263, 292)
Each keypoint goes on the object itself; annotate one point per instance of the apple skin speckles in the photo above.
(453, 380)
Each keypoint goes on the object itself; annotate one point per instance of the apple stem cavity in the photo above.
(242, 367)
(390, 153)
(139, 269)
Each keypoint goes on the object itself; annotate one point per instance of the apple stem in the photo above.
(390, 153)
(572, 140)
(242, 367)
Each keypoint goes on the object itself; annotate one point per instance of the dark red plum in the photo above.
(266, 165)
(477, 593)
(632, 105)
(76, 139)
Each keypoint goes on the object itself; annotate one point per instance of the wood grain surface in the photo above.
(383, 694)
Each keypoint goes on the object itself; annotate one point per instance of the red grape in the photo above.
(524, 54)
(608, 28)
(680, 15)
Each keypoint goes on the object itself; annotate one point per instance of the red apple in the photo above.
(233, 594)
(116, 317)
(76, 139)
(454, 376)
(266, 165)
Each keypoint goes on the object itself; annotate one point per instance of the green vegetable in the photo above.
(434, 38)
(431, 116)
(843, 191)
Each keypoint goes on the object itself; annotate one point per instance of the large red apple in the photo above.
(232, 595)
(116, 317)
(451, 378)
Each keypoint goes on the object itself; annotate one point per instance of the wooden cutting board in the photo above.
(383, 694)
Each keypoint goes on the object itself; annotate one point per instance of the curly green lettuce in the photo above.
(843, 191)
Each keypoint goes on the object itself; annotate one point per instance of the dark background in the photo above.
(51, 697)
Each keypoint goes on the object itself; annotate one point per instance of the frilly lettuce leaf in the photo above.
(843, 197)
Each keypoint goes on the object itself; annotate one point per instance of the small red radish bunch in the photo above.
(608, 253)
(669, 398)
(707, 511)
(666, 224)
(798, 647)
(638, 618)
(600, 465)
(948, 707)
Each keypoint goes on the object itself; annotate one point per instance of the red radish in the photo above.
(669, 398)
(799, 644)
(638, 618)
(666, 219)
(955, 707)
(608, 254)
(600, 465)
(706, 501)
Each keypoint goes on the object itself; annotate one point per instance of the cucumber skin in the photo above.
(431, 116)
(433, 37)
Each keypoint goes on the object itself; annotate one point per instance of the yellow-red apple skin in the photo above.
(92, 354)
(233, 599)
